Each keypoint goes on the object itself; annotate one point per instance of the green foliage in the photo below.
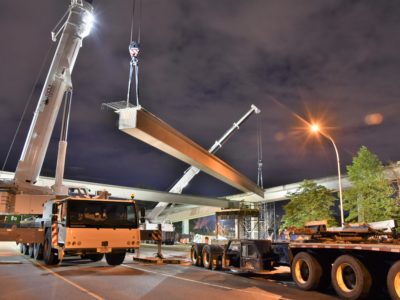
(370, 197)
(311, 202)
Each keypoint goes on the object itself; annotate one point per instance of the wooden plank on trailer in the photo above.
(146, 127)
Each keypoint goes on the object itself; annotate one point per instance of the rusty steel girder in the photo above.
(22, 235)
(146, 127)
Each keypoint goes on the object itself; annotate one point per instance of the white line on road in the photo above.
(68, 281)
(204, 283)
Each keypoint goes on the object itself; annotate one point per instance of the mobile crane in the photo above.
(62, 224)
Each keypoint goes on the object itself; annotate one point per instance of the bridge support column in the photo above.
(185, 226)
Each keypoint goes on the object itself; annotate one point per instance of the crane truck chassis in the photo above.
(81, 226)
(356, 262)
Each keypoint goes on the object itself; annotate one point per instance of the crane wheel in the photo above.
(49, 254)
(350, 278)
(115, 258)
(96, 257)
(30, 251)
(38, 251)
(306, 271)
(25, 249)
(393, 281)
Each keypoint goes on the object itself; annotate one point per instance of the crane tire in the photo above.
(25, 249)
(30, 251)
(350, 278)
(115, 258)
(49, 254)
(38, 251)
(393, 281)
(95, 257)
(306, 271)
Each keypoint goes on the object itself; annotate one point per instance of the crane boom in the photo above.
(192, 171)
(58, 81)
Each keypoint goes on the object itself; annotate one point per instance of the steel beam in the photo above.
(146, 127)
(189, 213)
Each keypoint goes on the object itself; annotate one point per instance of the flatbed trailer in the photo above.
(355, 269)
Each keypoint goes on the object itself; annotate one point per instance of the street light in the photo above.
(315, 128)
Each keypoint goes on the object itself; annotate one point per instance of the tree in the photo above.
(394, 169)
(370, 197)
(311, 202)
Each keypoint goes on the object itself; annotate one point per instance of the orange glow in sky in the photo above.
(373, 119)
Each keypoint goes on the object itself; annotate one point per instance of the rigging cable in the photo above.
(27, 105)
(134, 47)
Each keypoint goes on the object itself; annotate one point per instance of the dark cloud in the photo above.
(202, 64)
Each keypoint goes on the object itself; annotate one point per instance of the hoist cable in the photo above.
(140, 21)
(134, 46)
(27, 104)
(137, 85)
(133, 21)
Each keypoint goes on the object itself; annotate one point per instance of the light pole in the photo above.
(316, 129)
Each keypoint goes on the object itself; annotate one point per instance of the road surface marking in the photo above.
(68, 281)
(203, 283)
(7, 262)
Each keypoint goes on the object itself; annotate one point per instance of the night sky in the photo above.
(203, 63)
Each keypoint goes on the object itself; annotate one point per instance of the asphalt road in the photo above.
(25, 278)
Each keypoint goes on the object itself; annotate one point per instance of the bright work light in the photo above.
(88, 21)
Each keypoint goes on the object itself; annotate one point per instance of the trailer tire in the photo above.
(38, 251)
(306, 271)
(350, 278)
(95, 257)
(393, 281)
(49, 254)
(194, 256)
(115, 258)
(207, 257)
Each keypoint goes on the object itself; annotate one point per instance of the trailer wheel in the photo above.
(38, 251)
(115, 258)
(350, 278)
(306, 271)
(194, 257)
(49, 254)
(96, 257)
(207, 257)
(393, 281)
